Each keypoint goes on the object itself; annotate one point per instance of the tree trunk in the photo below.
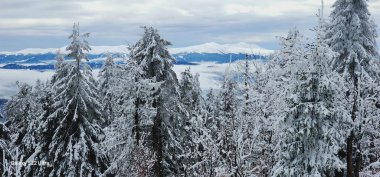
(157, 144)
(350, 165)
(349, 156)
(358, 160)
(136, 128)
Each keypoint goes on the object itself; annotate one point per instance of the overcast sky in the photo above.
(47, 23)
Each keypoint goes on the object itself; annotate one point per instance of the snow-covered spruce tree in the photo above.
(107, 83)
(262, 120)
(268, 98)
(227, 123)
(22, 111)
(60, 68)
(44, 132)
(247, 123)
(49, 116)
(243, 133)
(370, 137)
(73, 149)
(196, 132)
(166, 138)
(5, 155)
(245, 88)
(352, 34)
(315, 126)
(190, 91)
(245, 92)
(125, 143)
(211, 108)
(290, 51)
(277, 76)
(210, 155)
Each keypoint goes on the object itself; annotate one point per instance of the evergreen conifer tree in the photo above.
(72, 148)
(352, 34)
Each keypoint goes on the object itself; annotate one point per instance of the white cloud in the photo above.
(9, 78)
(209, 74)
(184, 22)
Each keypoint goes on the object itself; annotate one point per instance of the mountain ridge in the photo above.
(210, 47)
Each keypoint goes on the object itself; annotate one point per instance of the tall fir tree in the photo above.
(5, 154)
(209, 163)
(190, 91)
(195, 130)
(107, 82)
(166, 139)
(125, 143)
(72, 149)
(269, 98)
(311, 133)
(46, 122)
(22, 111)
(248, 124)
(227, 123)
(352, 35)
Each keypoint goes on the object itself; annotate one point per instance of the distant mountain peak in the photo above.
(213, 47)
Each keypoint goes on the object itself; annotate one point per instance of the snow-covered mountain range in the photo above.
(94, 50)
(211, 47)
(43, 59)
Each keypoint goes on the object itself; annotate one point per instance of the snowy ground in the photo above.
(210, 75)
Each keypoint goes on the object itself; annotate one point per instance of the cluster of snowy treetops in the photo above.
(311, 110)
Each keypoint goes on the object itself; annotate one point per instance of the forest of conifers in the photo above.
(312, 109)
